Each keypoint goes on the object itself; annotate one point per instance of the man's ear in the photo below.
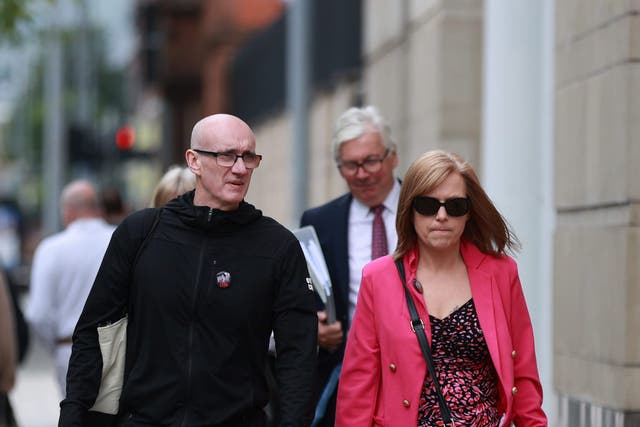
(193, 161)
(394, 158)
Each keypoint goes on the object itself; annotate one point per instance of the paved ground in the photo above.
(35, 398)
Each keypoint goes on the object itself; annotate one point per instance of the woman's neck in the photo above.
(439, 260)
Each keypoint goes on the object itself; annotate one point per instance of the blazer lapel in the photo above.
(342, 246)
(484, 296)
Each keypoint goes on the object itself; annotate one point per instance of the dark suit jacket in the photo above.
(331, 224)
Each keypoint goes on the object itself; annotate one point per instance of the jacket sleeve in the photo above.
(527, 402)
(106, 303)
(296, 334)
(360, 375)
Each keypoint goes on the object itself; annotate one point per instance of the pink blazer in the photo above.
(383, 369)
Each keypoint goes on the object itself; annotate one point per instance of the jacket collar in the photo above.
(206, 217)
(471, 255)
(486, 298)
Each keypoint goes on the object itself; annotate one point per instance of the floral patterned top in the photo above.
(465, 373)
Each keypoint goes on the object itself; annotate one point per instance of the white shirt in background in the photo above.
(359, 240)
(62, 274)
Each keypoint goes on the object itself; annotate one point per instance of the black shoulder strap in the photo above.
(417, 326)
(156, 220)
(144, 242)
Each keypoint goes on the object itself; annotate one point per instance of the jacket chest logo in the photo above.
(224, 279)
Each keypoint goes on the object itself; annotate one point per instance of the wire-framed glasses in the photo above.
(369, 165)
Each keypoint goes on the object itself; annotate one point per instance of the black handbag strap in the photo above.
(417, 326)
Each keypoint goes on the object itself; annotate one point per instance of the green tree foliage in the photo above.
(13, 13)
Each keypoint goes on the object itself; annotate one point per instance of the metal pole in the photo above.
(298, 88)
(53, 161)
(83, 64)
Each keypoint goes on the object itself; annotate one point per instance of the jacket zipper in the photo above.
(192, 326)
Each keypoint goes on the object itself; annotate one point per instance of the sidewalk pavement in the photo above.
(35, 398)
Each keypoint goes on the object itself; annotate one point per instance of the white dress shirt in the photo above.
(360, 230)
(63, 270)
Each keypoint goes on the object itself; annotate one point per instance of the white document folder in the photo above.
(317, 268)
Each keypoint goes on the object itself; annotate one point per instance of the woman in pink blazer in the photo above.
(452, 241)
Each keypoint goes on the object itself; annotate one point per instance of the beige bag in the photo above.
(113, 346)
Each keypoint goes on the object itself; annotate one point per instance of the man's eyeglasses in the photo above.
(369, 165)
(227, 160)
(429, 206)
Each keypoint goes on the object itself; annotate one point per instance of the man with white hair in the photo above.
(64, 267)
(353, 229)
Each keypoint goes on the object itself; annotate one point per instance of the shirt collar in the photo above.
(360, 210)
(85, 222)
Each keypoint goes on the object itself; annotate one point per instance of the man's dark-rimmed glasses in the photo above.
(227, 160)
(369, 165)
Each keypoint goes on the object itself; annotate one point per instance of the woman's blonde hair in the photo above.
(486, 227)
(176, 181)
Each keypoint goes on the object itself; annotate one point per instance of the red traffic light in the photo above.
(125, 137)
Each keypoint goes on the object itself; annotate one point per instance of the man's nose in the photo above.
(239, 166)
(361, 173)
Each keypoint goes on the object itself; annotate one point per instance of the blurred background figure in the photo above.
(64, 267)
(113, 207)
(176, 181)
(8, 352)
(12, 263)
(12, 326)
(11, 232)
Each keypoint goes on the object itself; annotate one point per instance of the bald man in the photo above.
(204, 281)
(63, 270)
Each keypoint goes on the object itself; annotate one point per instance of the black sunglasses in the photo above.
(428, 206)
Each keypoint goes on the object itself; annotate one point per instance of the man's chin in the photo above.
(234, 190)
(235, 197)
(366, 198)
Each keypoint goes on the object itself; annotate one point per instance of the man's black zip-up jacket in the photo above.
(207, 289)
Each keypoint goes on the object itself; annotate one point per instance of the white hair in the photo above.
(355, 122)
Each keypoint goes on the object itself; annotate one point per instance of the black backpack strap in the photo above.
(144, 242)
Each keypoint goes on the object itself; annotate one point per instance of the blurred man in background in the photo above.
(63, 270)
(113, 207)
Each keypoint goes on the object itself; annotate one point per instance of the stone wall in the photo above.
(423, 70)
(597, 188)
